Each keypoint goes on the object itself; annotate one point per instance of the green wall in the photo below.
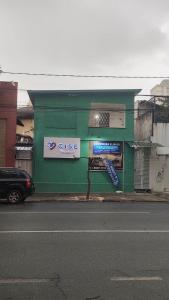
(64, 114)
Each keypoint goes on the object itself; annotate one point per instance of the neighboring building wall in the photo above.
(8, 104)
(26, 116)
(143, 132)
(25, 138)
(161, 89)
(143, 127)
(159, 163)
(71, 175)
(159, 172)
(157, 133)
(161, 133)
(27, 129)
(23, 155)
(141, 167)
(24, 165)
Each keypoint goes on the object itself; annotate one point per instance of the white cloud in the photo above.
(128, 37)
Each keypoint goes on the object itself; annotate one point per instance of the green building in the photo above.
(76, 133)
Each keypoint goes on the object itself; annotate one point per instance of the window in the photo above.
(107, 115)
(8, 173)
(104, 119)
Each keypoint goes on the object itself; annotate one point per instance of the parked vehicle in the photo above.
(15, 185)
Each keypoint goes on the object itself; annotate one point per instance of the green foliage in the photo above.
(159, 106)
(161, 110)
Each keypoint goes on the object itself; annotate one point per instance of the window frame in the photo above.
(98, 108)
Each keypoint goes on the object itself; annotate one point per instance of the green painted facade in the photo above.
(66, 114)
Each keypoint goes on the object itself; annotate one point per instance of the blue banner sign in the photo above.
(111, 171)
(106, 148)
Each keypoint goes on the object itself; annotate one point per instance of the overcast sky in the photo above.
(99, 37)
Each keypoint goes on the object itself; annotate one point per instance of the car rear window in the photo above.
(8, 173)
(12, 173)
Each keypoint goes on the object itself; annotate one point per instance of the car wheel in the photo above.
(14, 196)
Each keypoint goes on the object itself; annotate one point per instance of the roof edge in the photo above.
(80, 92)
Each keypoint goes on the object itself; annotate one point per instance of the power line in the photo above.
(83, 75)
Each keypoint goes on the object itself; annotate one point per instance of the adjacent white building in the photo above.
(161, 89)
(152, 146)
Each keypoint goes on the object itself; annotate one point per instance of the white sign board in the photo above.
(56, 147)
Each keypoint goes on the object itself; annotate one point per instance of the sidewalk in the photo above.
(115, 197)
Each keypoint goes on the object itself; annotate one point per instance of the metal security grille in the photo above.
(2, 141)
(24, 165)
(142, 166)
(104, 119)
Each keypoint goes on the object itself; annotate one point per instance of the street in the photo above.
(84, 251)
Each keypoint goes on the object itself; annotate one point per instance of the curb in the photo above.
(99, 198)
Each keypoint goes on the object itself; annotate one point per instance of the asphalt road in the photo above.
(84, 251)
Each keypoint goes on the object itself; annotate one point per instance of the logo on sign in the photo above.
(67, 148)
(51, 145)
(62, 147)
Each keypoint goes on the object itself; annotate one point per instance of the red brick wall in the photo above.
(8, 109)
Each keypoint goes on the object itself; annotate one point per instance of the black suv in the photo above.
(15, 185)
